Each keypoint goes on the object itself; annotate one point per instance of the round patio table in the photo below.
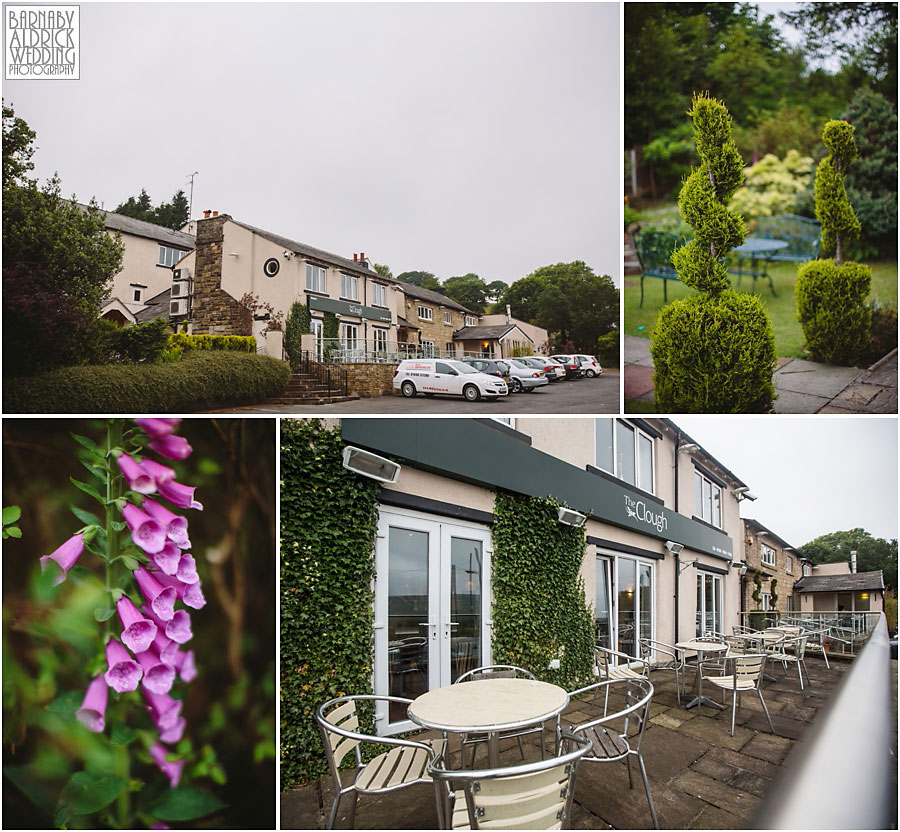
(488, 706)
(757, 249)
(701, 647)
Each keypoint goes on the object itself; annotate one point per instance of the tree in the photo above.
(469, 290)
(495, 290)
(17, 147)
(384, 271)
(173, 214)
(713, 352)
(831, 294)
(424, 279)
(872, 553)
(772, 185)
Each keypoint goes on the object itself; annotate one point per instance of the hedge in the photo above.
(236, 343)
(200, 381)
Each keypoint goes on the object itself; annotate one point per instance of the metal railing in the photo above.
(335, 379)
(843, 776)
(378, 351)
(845, 632)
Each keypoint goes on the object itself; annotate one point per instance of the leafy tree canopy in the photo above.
(383, 270)
(424, 279)
(173, 214)
(17, 147)
(469, 290)
(873, 553)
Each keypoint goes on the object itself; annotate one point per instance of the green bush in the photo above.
(97, 343)
(143, 343)
(234, 343)
(772, 186)
(832, 303)
(608, 353)
(882, 333)
(200, 381)
(714, 355)
(296, 325)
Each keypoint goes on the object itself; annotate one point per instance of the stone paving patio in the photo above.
(700, 776)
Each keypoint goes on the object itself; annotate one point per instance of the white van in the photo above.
(450, 378)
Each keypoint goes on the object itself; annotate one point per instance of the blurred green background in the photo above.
(50, 636)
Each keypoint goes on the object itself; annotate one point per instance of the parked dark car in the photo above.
(492, 367)
(549, 367)
(572, 365)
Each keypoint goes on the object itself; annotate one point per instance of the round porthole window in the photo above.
(271, 267)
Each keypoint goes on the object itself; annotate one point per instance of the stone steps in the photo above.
(306, 390)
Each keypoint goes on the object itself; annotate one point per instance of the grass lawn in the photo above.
(782, 309)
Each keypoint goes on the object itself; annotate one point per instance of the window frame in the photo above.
(713, 489)
(763, 547)
(379, 295)
(427, 317)
(448, 318)
(314, 270)
(789, 564)
(350, 281)
(638, 483)
(168, 253)
(470, 320)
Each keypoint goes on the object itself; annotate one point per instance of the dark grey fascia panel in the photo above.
(466, 450)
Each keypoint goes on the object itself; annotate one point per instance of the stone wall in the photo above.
(214, 311)
(752, 555)
(370, 380)
(435, 329)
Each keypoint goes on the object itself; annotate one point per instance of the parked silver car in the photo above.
(524, 376)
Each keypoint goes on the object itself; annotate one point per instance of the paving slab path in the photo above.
(801, 386)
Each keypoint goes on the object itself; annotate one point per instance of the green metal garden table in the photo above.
(757, 251)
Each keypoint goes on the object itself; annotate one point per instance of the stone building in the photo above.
(779, 566)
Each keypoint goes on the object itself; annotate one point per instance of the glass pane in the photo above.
(626, 622)
(645, 597)
(707, 502)
(646, 463)
(716, 506)
(709, 622)
(698, 495)
(862, 602)
(407, 616)
(718, 584)
(602, 634)
(604, 434)
(625, 453)
(465, 605)
(698, 628)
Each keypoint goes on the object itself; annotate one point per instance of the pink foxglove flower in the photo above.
(64, 557)
(158, 428)
(92, 713)
(166, 648)
(138, 479)
(179, 628)
(175, 525)
(184, 662)
(190, 594)
(158, 675)
(161, 598)
(145, 531)
(171, 770)
(124, 673)
(187, 570)
(174, 732)
(159, 472)
(163, 708)
(138, 632)
(171, 447)
(168, 559)
(179, 495)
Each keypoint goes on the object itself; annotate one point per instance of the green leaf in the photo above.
(13, 531)
(85, 517)
(118, 526)
(102, 614)
(95, 470)
(87, 489)
(184, 803)
(122, 734)
(86, 793)
(88, 443)
(11, 514)
(130, 562)
(66, 703)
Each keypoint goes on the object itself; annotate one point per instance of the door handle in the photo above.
(432, 627)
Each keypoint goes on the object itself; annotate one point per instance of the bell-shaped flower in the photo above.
(163, 708)
(171, 446)
(174, 732)
(184, 663)
(187, 570)
(175, 525)
(124, 672)
(137, 632)
(64, 557)
(179, 628)
(166, 648)
(158, 471)
(92, 713)
(179, 495)
(160, 598)
(145, 531)
(168, 559)
(138, 479)
(158, 428)
(172, 770)
(190, 594)
(158, 675)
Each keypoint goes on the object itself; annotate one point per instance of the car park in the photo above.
(552, 369)
(525, 377)
(433, 376)
(491, 367)
(572, 365)
(589, 365)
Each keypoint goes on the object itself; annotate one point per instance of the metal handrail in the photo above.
(851, 744)
(335, 378)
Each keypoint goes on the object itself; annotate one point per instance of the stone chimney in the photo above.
(214, 311)
(853, 561)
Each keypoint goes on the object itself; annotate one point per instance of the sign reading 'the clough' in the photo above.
(639, 511)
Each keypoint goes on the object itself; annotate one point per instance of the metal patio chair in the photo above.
(793, 651)
(746, 673)
(815, 643)
(611, 743)
(673, 660)
(529, 796)
(630, 667)
(404, 764)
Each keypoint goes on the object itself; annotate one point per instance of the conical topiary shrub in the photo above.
(831, 293)
(713, 352)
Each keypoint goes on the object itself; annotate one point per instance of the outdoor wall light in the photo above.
(570, 517)
(689, 448)
(674, 547)
(743, 493)
(370, 465)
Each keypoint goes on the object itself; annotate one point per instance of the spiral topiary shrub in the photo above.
(831, 294)
(713, 352)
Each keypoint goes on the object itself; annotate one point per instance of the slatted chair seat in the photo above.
(623, 673)
(728, 683)
(746, 671)
(397, 767)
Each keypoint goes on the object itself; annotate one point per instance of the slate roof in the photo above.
(854, 582)
(430, 296)
(157, 307)
(687, 439)
(139, 228)
(309, 251)
(759, 527)
(485, 332)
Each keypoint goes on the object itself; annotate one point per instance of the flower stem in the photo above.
(113, 491)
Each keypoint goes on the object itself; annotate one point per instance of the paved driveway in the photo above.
(584, 395)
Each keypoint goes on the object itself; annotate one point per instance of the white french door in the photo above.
(432, 607)
(316, 326)
(624, 602)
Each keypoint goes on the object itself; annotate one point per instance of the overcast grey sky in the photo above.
(443, 137)
(811, 475)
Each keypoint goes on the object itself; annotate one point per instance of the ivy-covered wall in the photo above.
(540, 612)
(328, 521)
